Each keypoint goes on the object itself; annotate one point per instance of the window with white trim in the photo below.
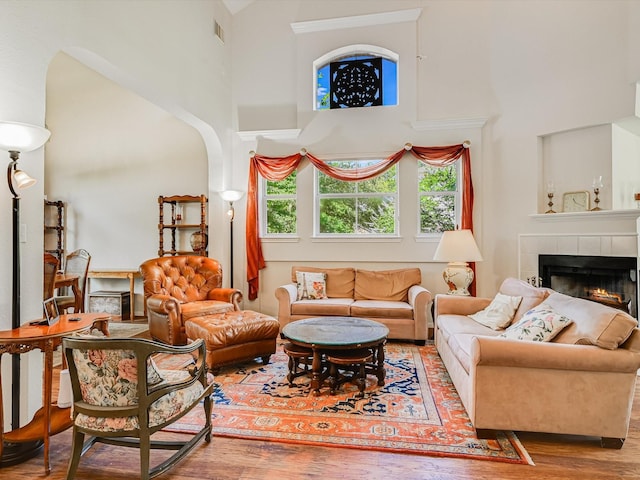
(439, 197)
(363, 208)
(279, 205)
(356, 76)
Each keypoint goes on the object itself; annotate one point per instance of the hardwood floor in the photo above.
(555, 457)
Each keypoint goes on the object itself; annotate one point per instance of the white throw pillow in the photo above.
(540, 324)
(499, 313)
(311, 285)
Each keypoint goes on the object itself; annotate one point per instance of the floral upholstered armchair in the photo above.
(181, 287)
(120, 396)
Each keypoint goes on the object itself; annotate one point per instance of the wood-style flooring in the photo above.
(555, 457)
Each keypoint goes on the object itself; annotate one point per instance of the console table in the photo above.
(129, 274)
(24, 442)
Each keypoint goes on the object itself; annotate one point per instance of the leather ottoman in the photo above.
(235, 336)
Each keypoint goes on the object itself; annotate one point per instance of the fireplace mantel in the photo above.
(595, 216)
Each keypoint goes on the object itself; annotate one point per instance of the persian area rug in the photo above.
(417, 410)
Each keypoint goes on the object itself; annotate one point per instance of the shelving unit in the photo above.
(54, 229)
(182, 221)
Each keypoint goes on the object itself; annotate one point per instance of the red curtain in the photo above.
(278, 168)
(441, 157)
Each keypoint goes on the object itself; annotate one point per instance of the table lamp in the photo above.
(457, 247)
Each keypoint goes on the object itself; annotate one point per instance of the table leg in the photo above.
(132, 313)
(381, 372)
(46, 400)
(316, 371)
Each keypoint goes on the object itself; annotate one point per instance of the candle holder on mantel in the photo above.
(636, 197)
(597, 185)
(550, 191)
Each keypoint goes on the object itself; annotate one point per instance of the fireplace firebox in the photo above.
(608, 280)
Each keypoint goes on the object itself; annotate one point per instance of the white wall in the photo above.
(113, 154)
(532, 68)
(165, 51)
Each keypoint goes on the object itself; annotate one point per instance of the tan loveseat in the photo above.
(392, 297)
(582, 382)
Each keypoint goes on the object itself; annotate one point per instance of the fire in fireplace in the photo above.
(608, 280)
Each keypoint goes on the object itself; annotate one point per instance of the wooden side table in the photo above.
(129, 274)
(50, 419)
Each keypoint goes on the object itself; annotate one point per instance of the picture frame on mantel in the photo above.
(578, 201)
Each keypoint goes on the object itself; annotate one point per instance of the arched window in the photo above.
(356, 76)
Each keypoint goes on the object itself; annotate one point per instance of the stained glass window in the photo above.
(357, 81)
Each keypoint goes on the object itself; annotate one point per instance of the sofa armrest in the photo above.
(228, 295)
(286, 295)
(420, 300)
(502, 352)
(459, 304)
(165, 319)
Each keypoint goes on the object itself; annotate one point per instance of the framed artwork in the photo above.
(51, 313)
(575, 201)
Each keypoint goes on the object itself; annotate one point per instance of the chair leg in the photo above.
(145, 449)
(78, 446)
(207, 421)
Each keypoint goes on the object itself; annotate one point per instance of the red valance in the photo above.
(278, 168)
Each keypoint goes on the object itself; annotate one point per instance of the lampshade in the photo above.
(457, 246)
(231, 195)
(21, 137)
(22, 179)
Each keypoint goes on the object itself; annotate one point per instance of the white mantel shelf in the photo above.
(598, 215)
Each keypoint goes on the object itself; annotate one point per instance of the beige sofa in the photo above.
(392, 297)
(582, 382)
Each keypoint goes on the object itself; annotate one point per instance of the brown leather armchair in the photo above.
(181, 287)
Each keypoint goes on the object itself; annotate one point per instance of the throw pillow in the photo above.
(540, 324)
(311, 285)
(499, 313)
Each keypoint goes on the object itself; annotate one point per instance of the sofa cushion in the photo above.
(381, 309)
(452, 324)
(340, 281)
(531, 296)
(311, 285)
(460, 346)
(340, 307)
(389, 285)
(540, 324)
(499, 313)
(204, 307)
(593, 323)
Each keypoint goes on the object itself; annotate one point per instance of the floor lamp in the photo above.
(16, 138)
(231, 196)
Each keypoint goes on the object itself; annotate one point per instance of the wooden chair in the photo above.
(120, 397)
(50, 269)
(77, 264)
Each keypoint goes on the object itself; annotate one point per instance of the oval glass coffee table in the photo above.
(322, 334)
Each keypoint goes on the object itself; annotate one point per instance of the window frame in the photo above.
(317, 197)
(457, 199)
(263, 198)
(348, 51)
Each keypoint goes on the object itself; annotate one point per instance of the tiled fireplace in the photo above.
(590, 254)
(608, 280)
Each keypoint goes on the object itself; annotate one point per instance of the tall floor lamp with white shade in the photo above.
(18, 138)
(231, 196)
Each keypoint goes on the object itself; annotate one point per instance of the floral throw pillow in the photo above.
(499, 313)
(311, 285)
(540, 324)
